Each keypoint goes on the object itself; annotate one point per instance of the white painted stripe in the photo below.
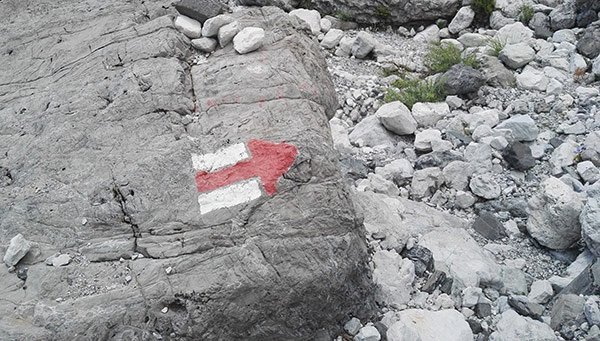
(227, 156)
(229, 196)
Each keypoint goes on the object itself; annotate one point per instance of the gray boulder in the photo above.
(496, 74)
(485, 185)
(563, 16)
(227, 33)
(554, 215)
(462, 20)
(521, 128)
(188, 26)
(513, 326)
(199, 10)
(589, 44)
(587, 12)
(363, 45)
(454, 249)
(568, 310)
(540, 24)
(517, 55)
(332, 38)
(393, 276)
(370, 132)
(311, 17)
(100, 143)
(397, 118)
(462, 80)
(17, 249)
(211, 26)
(249, 39)
(204, 44)
(418, 324)
(590, 220)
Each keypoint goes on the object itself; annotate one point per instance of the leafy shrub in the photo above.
(383, 12)
(484, 7)
(411, 91)
(526, 13)
(441, 57)
(496, 45)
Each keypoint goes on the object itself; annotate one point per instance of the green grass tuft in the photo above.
(411, 91)
(441, 57)
(526, 13)
(471, 60)
(496, 45)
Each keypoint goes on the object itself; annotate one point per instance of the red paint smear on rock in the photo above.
(268, 161)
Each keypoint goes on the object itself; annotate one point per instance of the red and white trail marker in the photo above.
(233, 175)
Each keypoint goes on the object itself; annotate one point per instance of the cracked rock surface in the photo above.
(101, 110)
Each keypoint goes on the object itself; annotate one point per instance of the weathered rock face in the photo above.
(99, 124)
(372, 12)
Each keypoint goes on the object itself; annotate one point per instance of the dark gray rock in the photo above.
(437, 159)
(421, 257)
(567, 311)
(488, 226)
(540, 24)
(353, 167)
(589, 44)
(587, 11)
(518, 156)
(5, 177)
(523, 306)
(435, 280)
(462, 80)
(474, 325)
(586, 283)
(98, 131)
(200, 10)
(563, 16)
(483, 309)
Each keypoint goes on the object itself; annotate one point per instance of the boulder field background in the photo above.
(101, 111)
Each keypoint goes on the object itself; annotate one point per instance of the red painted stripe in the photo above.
(268, 161)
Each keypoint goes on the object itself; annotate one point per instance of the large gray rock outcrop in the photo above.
(99, 125)
(367, 12)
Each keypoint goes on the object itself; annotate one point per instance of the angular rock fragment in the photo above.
(17, 249)
(199, 10)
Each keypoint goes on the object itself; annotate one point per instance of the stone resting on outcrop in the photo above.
(115, 151)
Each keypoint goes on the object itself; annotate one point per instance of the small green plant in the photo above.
(484, 7)
(411, 91)
(471, 60)
(383, 11)
(343, 16)
(441, 57)
(386, 72)
(526, 13)
(496, 45)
